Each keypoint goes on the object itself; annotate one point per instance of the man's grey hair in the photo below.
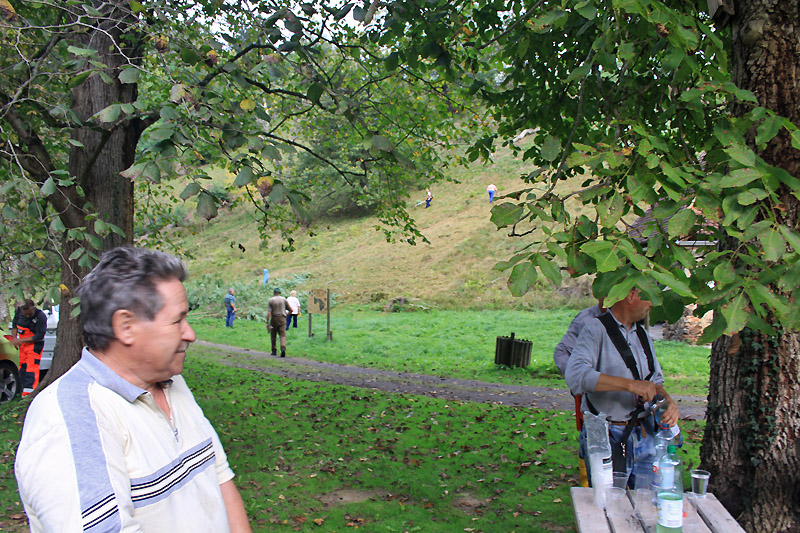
(125, 278)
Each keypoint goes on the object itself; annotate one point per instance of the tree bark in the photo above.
(97, 167)
(750, 443)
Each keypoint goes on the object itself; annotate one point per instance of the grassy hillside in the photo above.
(356, 262)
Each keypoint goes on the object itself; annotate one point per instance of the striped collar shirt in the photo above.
(97, 454)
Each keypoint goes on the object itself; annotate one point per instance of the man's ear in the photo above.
(123, 322)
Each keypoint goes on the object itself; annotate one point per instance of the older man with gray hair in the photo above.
(118, 443)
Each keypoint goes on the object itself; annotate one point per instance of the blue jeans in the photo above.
(289, 321)
(230, 318)
(491, 196)
(641, 449)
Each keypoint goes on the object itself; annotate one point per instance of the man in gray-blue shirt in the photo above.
(597, 370)
(564, 348)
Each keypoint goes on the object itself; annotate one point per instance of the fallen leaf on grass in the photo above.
(319, 521)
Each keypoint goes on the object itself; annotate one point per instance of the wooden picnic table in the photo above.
(706, 515)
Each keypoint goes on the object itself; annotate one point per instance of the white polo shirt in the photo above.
(98, 454)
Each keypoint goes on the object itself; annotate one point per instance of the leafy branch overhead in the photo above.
(252, 87)
(635, 98)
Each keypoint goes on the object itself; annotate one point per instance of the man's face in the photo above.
(161, 343)
(28, 312)
(639, 307)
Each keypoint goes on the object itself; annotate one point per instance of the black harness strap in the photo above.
(612, 329)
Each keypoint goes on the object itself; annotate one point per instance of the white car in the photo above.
(49, 342)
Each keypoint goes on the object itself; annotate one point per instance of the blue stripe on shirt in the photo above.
(168, 479)
(98, 502)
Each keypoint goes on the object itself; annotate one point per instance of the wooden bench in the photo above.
(704, 515)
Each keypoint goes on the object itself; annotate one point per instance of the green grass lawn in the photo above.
(318, 457)
(456, 344)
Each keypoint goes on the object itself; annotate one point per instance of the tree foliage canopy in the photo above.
(636, 97)
(252, 87)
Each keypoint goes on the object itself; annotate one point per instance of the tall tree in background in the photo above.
(655, 106)
(96, 96)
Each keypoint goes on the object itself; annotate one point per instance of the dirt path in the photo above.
(691, 407)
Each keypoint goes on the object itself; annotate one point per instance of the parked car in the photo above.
(10, 385)
(49, 342)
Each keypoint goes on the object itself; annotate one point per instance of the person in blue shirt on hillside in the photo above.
(230, 308)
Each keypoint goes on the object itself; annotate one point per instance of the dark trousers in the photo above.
(289, 320)
(231, 316)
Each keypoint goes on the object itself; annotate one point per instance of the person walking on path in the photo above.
(428, 198)
(492, 190)
(276, 320)
(294, 304)
(614, 366)
(118, 443)
(230, 308)
(28, 329)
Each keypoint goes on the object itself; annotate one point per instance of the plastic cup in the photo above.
(620, 480)
(643, 499)
(700, 482)
(616, 502)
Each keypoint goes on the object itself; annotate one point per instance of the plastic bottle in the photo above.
(598, 449)
(670, 493)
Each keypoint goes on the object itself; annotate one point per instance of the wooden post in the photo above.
(329, 337)
(309, 325)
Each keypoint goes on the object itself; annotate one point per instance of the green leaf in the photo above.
(190, 190)
(506, 214)
(604, 255)
(549, 269)
(769, 129)
(48, 187)
(206, 206)
(741, 154)
(379, 142)
(735, 313)
(620, 290)
(713, 331)
(82, 52)
(751, 196)
(724, 273)
(245, 177)
(680, 224)
(136, 7)
(587, 10)
(580, 72)
(189, 56)
(740, 177)
(129, 75)
(75, 143)
(668, 279)
(177, 93)
(79, 79)
(792, 237)
(343, 11)
(773, 243)
(315, 92)
(109, 114)
(551, 148)
(522, 278)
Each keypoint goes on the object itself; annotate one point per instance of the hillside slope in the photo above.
(356, 262)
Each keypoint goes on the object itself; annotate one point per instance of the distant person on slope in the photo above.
(492, 190)
(276, 320)
(230, 309)
(294, 303)
(428, 198)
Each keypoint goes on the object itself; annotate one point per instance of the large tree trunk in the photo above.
(97, 167)
(751, 441)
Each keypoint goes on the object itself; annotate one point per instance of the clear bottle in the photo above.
(662, 440)
(670, 493)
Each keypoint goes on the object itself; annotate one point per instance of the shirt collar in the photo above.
(108, 378)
